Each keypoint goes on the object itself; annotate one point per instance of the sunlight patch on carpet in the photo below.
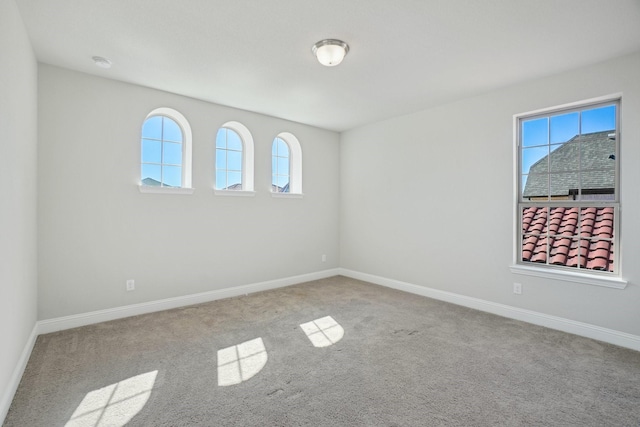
(240, 362)
(115, 404)
(323, 332)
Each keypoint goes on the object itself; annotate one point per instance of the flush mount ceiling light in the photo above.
(330, 52)
(102, 62)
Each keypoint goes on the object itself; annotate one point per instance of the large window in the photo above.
(165, 150)
(568, 198)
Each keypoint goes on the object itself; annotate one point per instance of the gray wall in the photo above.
(96, 230)
(428, 198)
(18, 130)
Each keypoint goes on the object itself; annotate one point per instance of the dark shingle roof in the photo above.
(587, 151)
(567, 237)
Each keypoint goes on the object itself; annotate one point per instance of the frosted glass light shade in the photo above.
(330, 52)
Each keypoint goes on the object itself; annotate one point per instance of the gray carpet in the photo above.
(404, 360)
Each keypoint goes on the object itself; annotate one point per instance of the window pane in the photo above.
(539, 251)
(172, 153)
(535, 186)
(529, 244)
(535, 132)
(172, 176)
(233, 140)
(221, 158)
(274, 165)
(234, 160)
(152, 128)
(535, 158)
(564, 127)
(221, 179)
(282, 181)
(274, 147)
(559, 250)
(600, 255)
(564, 222)
(170, 130)
(564, 157)
(596, 222)
(598, 151)
(599, 119)
(564, 184)
(221, 138)
(598, 182)
(283, 148)
(577, 253)
(233, 178)
(151, 175)
(283, 166)
(151, 151)
(534, 220)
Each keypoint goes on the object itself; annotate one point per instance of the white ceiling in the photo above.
(406, 55)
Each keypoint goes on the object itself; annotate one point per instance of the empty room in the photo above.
(285, 213)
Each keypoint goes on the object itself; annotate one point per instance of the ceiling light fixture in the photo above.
(102, 62)
(330, 52)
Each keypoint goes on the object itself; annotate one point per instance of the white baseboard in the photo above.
(74, 321)
(610, 336)
(10, 391)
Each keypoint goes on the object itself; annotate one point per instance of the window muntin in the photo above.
(280, 170)
(229, 152)
(568, 189)
(162, 146)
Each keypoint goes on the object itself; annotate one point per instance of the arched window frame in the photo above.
(187, 139)
(295, 166)
(247, 161)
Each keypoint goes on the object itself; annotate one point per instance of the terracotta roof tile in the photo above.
(556, 229)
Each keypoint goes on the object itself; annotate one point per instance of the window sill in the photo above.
(165, 190)
(569, 276)
(287, 195)
(236, 193)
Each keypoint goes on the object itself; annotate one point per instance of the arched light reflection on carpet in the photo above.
(115, 404)
(323, 332)
(240, 362)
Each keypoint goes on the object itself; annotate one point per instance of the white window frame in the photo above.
(247, 161)
(295, 167)
(599, 278)
(187, 138)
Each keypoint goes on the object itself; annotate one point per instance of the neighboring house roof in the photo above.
(588, 151)
(566, 244)
(277, 189)
(237, 186)
(151, 182)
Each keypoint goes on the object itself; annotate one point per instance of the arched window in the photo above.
(234, 159)
(166, 151)
(286, 165)
(280, 171)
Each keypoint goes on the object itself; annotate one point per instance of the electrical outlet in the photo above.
(517, 288)
(131, 285)
(324, 258)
